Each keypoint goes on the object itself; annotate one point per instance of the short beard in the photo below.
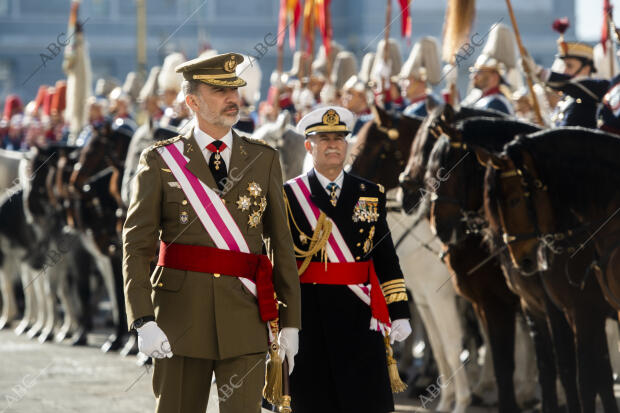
(215, 118)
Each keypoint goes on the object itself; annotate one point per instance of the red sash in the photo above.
(347, 273)
(199, 258)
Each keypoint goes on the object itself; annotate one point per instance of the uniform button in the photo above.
(160, 284)
(184, 202)
(357, 258)
(361, 230)
(578, 100)
(358, 244)
(216, 275)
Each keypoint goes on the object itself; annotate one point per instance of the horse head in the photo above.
(411, 180)
(380, 150)
(517, 206)
(454, 176)
(454, 180)
(440, 121)
(107, 148)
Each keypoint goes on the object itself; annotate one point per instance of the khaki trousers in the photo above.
(181, 384)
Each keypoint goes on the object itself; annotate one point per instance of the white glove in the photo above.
(288, 340)
(152, 341)
(530, 65)
(401, 329)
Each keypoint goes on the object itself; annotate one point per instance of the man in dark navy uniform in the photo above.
(342, 365)
(582, 93)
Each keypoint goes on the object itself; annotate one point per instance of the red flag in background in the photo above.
(405, 19)
(309, 25)
(290, 12)
(325, 23)
(607, 16)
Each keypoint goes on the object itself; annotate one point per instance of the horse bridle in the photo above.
(473, 220)
(532, 183)
(406, 178)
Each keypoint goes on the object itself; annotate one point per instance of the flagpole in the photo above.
(388, 16)
(141, 38)
(610, 48)
(385, 83)
(528, 74)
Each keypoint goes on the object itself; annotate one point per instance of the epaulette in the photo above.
(257, 141)
(381, 188)
(165, 142)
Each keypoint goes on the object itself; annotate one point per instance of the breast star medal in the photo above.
(254, 219)
(254, 189)
(245, 203)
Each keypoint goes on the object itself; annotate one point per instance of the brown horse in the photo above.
(95, 185)
(476, 277)
(411, 179)
(381, 149)
(379, 141)
(532, 192)
(457, 214)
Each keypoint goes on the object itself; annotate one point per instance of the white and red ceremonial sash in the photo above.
(207, 204)
(336, 247)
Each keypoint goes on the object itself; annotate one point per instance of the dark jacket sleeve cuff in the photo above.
(398, 310)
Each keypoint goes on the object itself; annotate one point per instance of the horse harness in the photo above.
(550, 240)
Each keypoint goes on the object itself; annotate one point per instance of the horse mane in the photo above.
(463, 115)
(489, 133)
(373, 138)
(580, 166)
(467, 112)
(493, 133)
(491, 195)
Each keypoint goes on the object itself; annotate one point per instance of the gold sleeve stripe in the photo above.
(389, 287)
(393, 298)
(387, 291)
(391, 282)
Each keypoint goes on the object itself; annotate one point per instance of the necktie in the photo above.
(332, 187)
(216, 162)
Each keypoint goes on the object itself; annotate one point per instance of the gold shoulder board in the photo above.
(166, 141)
(257, 141)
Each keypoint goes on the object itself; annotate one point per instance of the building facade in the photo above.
(30, 28)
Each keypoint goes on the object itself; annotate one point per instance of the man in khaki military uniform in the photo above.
(209, 197)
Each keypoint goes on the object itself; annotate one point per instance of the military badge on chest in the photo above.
(184, 217)
(254, 203)
(366, 210)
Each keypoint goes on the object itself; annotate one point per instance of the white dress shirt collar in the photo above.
(324, 181)
(203, 139)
